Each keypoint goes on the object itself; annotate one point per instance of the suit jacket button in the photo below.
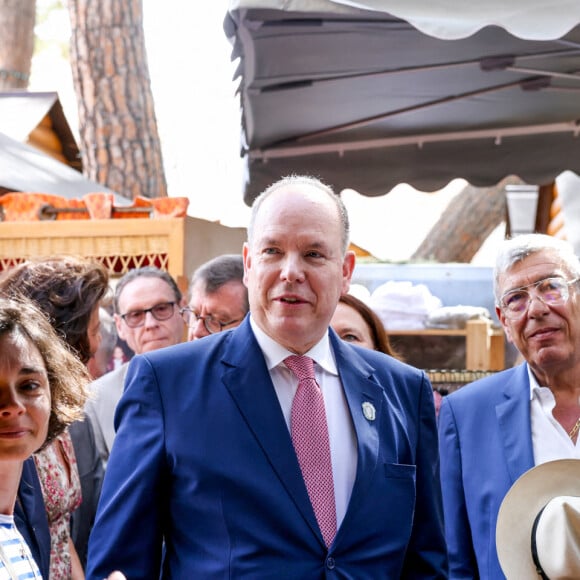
(330, 563)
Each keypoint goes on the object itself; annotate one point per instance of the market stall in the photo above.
(149, 232)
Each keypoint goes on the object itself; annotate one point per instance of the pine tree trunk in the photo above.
(17, 19)
(466, 223)
(119, 137)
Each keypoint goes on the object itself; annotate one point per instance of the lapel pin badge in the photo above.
(369, 411)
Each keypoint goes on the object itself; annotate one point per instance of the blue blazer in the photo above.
(485, 445)
(204, 460)
(30, 517)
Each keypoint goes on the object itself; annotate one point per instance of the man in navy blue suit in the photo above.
(204, 461)
(494, 430)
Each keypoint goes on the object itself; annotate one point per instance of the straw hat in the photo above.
(554, 530)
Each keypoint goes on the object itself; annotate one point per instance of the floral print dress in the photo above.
(61, 488)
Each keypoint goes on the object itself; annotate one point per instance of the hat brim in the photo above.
(520, 507)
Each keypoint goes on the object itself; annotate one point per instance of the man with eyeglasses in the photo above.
(148, 305)
(494, 430)
(218, 297)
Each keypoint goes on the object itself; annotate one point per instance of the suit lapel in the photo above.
(513, 416)
(253, 392)
(366, 404)
(261, 410)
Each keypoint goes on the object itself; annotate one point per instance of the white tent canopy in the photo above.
(531, 19)
(449, 19)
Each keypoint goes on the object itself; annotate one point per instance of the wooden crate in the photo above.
(484, 344)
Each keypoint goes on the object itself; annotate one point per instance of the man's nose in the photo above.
(197, 329)
(292, 268)
(150, 320)
(537, 306)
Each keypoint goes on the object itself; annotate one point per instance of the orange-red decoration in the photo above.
(19, 206)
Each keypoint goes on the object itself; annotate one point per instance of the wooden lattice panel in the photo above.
(117, 265)
(120, 265)
(119, 244)
(7, 263)
(177, 245)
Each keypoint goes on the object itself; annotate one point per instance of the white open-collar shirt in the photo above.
(341, 432)
(549, 439)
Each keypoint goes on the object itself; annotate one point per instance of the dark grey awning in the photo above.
(365, 100)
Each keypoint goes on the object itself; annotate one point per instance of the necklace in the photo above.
(574, 431)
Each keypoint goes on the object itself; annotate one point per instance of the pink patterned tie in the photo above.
(310, 438)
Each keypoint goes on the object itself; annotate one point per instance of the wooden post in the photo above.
(497, 350)
(477, 345)
(484, 349)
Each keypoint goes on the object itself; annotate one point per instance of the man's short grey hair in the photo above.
(145, 272)
(220, 271)
(514, 250)
(308, 180)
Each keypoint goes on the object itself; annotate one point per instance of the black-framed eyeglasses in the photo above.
(552, 291)
(212, 325)
(161, 311)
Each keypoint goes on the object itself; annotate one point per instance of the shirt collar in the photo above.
(534, 385)
(275, 353)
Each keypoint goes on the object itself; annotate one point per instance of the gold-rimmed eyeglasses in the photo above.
(552, 291)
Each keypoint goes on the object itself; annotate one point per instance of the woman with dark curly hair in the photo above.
(42, 391)
(69, 291)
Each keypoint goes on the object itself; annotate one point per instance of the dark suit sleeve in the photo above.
(91, 474)
(427, 554)
(462, 563)
(134, 476)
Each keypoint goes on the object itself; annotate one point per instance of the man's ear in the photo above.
(348, 265)
(504, 324)
(120, 326)
(247, 261)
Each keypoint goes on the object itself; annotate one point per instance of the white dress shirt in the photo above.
(549, 439)
(340, 428)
